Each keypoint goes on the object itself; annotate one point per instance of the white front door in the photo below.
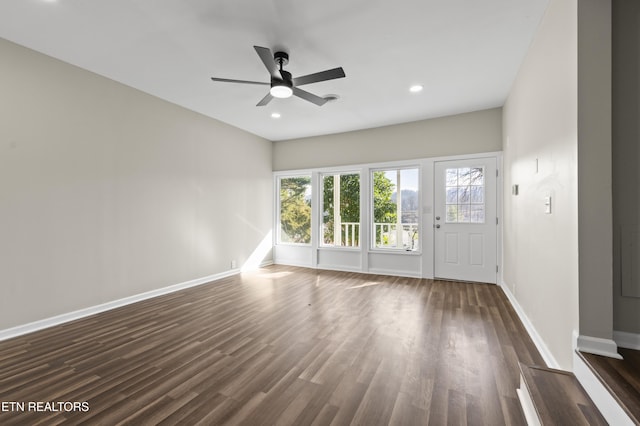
(465, 220)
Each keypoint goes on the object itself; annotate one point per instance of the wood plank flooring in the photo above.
(621, 377)
(559, 399)
(280, 346)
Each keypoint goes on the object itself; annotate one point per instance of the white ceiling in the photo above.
(465, 53)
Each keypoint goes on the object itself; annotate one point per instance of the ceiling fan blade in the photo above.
(265, 100)
(309, 96)
(267, 59)
(319, 76)
(228, 80)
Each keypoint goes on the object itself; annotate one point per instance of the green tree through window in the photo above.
(348, 206)
(295, 210)
(395, 209)
(384, 208)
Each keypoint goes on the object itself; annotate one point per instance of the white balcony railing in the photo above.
(386, 235)
(350, 234)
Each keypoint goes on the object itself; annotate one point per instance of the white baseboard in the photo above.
(293, 262)
(598, 346)
(81, 313)
(371, 271)
(533, 333)
(599, 394)
(627, 340)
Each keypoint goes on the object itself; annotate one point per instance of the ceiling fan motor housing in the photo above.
(285, 81)
(281, 58)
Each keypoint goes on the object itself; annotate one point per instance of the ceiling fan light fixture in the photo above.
(283, 85)
(281, 91)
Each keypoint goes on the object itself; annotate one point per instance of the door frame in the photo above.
(488, 227)
(428, 210)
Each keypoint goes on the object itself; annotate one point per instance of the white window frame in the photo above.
(321, 175)
(371, 216)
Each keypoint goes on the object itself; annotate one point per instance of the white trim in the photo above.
(81, 313)
(400, 252)
(263, 264)
(533, 333)
(394, 273)
(298, 264)
(599, 394)
(339, 268)
(598, 346)
(627, 340)
(528, 407)
(338, 248)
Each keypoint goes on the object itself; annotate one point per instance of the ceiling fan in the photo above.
(283, 85)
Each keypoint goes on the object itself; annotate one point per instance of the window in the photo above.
(465, 195)
(396, 221)
(295, 210)
(341, 210)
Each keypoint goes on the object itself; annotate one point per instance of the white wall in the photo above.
(473, 132)
(107, 192)
(540, 155)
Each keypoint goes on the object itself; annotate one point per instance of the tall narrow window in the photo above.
(396, 221)
(341, 210)
(295, 210)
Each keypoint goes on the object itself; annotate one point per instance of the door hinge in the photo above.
(496, 268)
(496, 220)
(496, 172)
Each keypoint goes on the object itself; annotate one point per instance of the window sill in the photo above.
(396, 251)
(340, 248)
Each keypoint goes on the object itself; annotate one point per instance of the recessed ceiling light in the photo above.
(416, 88)
(275, 115)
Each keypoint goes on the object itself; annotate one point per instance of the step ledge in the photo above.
(610, 409)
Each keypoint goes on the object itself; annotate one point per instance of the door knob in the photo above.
(438, 226)
(437, 217)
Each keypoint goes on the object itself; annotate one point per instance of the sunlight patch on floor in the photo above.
(369, 284)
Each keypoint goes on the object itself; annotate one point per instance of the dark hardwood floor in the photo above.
(621, 377)
(280, 346)
(559, 398)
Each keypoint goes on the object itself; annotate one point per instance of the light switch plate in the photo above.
(547, 205)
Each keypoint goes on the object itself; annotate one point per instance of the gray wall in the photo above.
(473, 132)
(540, 260)
(626, 157)
(594, 169)
(107, 192)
